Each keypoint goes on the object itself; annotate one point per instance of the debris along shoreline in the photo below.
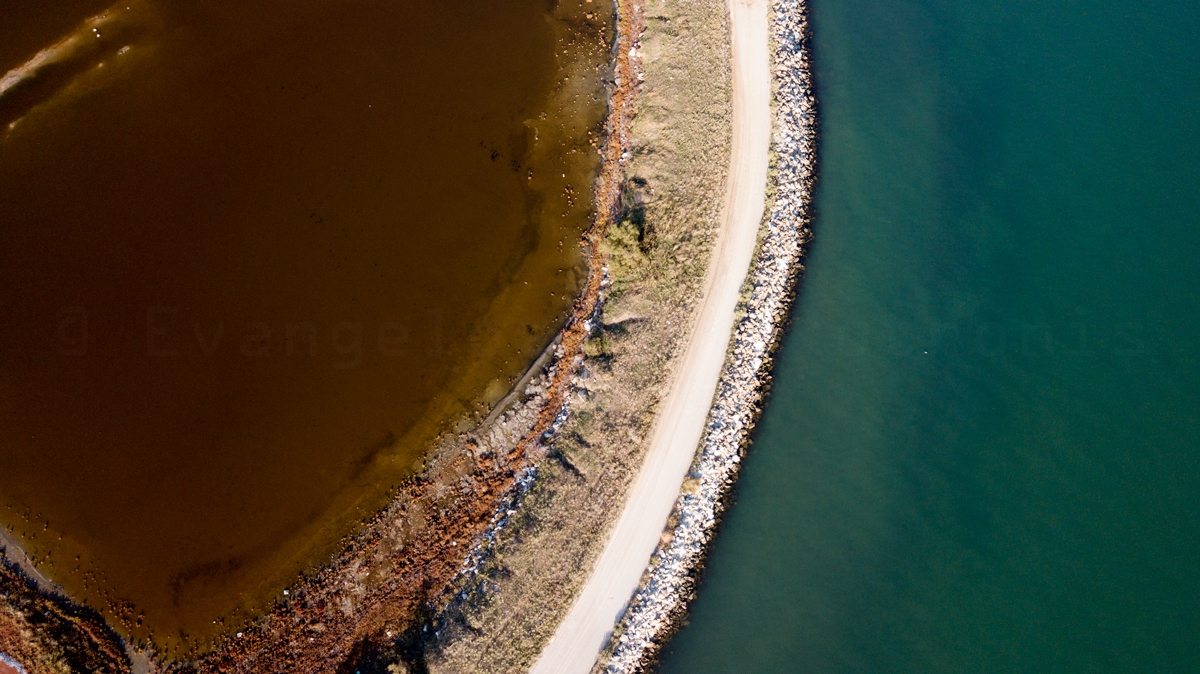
(659, 255)
(669, 583)
(398, 568)
(443, 521)
(43, 631)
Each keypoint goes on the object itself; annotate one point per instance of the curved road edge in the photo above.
(669, 583)
(588, 626)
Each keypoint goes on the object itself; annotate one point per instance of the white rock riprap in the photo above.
(669, 580)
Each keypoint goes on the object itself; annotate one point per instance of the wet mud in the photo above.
(254, 258)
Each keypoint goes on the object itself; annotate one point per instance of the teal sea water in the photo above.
(982, 453)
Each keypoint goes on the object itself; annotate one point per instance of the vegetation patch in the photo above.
(658, 251)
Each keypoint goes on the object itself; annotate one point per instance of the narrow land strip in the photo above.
(676, 434)
(770, 290)
(656, 254)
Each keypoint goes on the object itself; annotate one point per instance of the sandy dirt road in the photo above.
(676, 434)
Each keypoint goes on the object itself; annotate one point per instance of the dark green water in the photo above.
(982, 450)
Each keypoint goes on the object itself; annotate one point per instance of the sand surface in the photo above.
(584, 632)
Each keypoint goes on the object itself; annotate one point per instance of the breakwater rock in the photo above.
(669, 581)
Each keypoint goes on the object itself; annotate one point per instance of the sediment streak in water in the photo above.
(51, 70)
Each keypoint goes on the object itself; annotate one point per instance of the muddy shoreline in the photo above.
(394, 572)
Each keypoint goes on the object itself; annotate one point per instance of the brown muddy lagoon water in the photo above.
(254, 257)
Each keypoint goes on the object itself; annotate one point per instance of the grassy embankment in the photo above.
(658, 254)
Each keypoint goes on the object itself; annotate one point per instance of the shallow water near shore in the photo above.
(253, 258)
(981, 452)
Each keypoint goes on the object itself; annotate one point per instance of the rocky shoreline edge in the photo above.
(659, 606)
